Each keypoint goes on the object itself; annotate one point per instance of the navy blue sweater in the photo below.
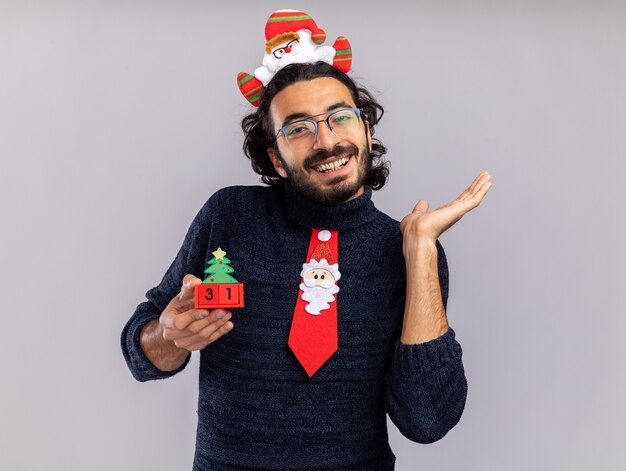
(257, 407)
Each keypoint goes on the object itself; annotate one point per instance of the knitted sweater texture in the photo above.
(257, 407)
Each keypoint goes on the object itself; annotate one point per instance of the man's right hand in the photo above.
(189, 328)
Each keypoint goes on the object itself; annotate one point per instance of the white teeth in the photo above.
(333, 165)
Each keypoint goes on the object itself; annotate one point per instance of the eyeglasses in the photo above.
(280, 52)
(343, 123)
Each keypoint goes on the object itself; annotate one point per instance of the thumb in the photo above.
(188, 288)
(421, 207)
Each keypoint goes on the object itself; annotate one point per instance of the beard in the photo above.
(318, 297)
(339, 190)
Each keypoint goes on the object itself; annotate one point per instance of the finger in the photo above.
(172, 319)
(207, 336)
(484, 176)
(478, 181)
(191, 322)
(480, 194)
(476, 198)
(223, 329)
(481, 188)
(187, 288)
(197, 324)
(185, 298)
(171, 332)
(471, 192)
(421, 207)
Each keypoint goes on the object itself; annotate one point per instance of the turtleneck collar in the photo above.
(306, 212)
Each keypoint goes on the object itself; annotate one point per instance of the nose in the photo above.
(287, 50)
(326, 139)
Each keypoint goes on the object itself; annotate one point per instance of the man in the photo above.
(262, 403)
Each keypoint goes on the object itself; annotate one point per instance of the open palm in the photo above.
(422, 225)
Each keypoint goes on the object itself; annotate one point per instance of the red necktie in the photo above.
(313, 335)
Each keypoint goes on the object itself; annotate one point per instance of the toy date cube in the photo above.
(218, 295)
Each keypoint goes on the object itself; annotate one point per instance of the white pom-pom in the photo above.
(324, 235)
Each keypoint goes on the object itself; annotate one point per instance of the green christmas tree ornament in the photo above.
(219, 269)
(219, 289)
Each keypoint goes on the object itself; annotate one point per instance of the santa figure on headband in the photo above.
(292, 36)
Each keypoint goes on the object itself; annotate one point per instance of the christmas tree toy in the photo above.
(219, 289)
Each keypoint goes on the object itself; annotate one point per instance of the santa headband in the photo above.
(292, 37)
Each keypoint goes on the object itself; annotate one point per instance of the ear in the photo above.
(368, 134)
(278, 165)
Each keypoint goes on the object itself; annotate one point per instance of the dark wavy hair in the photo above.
(258, 127)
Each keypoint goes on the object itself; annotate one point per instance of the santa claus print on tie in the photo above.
(319, 277)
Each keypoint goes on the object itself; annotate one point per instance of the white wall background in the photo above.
(119, 119)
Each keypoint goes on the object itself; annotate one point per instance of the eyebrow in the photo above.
(333, 107)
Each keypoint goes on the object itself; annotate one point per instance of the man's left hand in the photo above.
(423, 227)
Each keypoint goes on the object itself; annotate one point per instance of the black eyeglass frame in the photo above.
(357, 111)
(282, 51)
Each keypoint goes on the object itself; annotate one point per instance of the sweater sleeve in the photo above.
(425, 386)
(190, 259)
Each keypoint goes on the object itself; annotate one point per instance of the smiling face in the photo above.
(331, 170)
(317, 276)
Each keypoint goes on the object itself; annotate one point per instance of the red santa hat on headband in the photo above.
(288, 21)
